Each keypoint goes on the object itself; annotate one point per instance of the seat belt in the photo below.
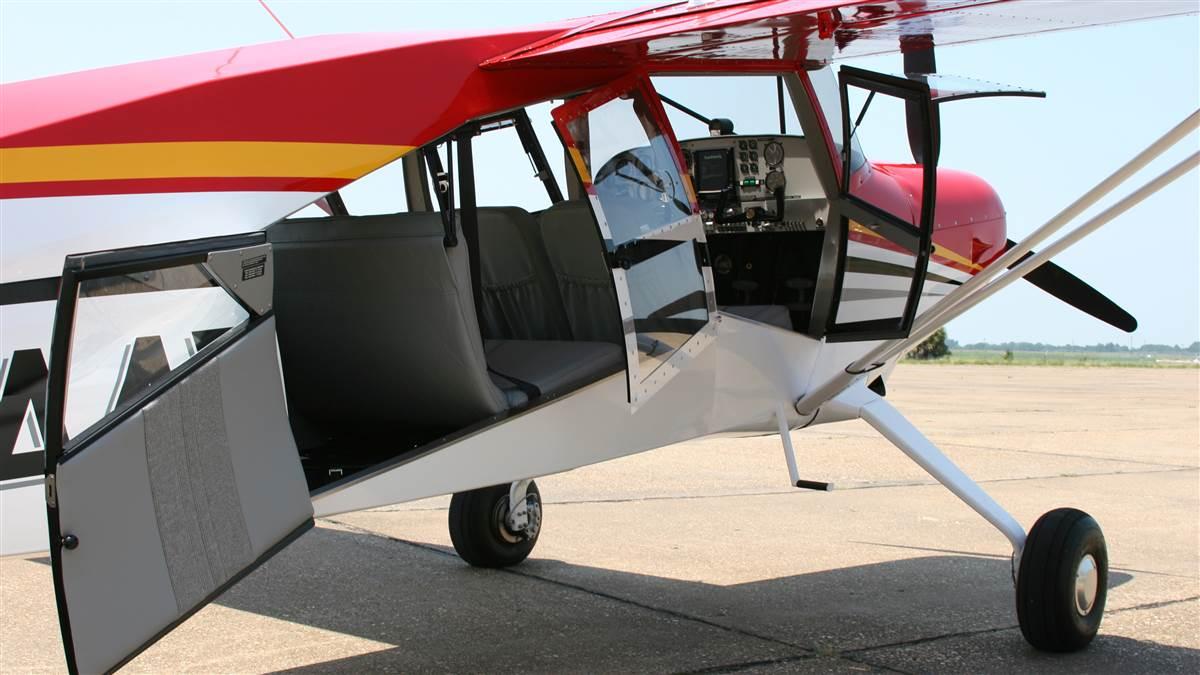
(470, 232)
(470, 218)
(530, 389)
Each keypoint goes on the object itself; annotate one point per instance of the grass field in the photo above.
(962, 356)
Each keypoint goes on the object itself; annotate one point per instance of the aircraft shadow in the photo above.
(552, 616)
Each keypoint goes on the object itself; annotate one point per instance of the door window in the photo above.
(132, 330)
(631, 165)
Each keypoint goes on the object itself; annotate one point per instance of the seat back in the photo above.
(581, 272)
(520, 299)
(376, 322)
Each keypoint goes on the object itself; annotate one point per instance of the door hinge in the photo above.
(51, 492)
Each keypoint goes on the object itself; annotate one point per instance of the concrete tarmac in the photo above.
(700, 558)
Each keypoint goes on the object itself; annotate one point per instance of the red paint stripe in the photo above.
(157, 185)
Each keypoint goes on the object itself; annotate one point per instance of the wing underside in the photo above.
(816, 30)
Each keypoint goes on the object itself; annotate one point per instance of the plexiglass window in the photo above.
(892, 181)
(666, 292)
(629, 160)
(880, 265)
(132, 330)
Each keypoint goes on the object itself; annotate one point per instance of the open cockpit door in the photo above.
(632, 170)
(171, 467)
(885, 210)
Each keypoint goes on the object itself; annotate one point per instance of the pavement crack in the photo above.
(1068, 455)
(930, 638)
(783, 660)
(745, 665)
(998, 629)
(1152, 605)
(999, 556)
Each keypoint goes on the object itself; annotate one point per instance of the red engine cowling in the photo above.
(969, 228)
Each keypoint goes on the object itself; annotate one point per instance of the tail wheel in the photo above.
(480, 531)
(1062, 582)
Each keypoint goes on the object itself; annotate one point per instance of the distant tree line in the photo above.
(933, 347)
(1107, 347)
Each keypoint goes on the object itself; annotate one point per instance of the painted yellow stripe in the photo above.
(580, 165)
(938, 249)
(951, 255)
(194, 159)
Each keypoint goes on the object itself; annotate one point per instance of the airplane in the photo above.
(194, 370)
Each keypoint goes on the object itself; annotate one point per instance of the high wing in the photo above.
(814, 30)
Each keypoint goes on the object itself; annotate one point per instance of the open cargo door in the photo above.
(171, 468)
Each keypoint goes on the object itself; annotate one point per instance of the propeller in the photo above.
(1075, 292)
(918, 60)
(918, 52)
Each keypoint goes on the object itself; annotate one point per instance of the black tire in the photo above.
(479, 531)
(1051, 618)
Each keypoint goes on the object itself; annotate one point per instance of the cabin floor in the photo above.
(698, 556)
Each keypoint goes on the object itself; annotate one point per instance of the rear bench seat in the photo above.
(520, 297)
(376, 322)
(581, 274)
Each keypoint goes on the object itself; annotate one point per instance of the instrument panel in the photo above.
(755, 183)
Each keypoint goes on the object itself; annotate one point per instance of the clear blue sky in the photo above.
(1111, 91)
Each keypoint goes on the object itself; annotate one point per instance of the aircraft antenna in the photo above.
(285, 28)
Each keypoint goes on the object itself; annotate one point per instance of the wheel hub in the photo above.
(533, 507)
(1087, 584)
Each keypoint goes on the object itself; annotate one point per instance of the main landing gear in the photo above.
(488, 532)
(1061, 567)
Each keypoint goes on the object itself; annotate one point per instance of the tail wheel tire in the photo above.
(1062, 582)
(479, 526)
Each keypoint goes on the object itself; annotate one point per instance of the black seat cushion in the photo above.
(553, 366)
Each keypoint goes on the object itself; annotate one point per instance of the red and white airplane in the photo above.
(192, 373)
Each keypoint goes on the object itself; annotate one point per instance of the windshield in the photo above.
(750, 102)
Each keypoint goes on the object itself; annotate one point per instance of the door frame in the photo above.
(641, 389)
(58, 450)
(846, 206)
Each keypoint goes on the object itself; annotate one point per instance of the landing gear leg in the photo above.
(496, 526)
(1060, 568)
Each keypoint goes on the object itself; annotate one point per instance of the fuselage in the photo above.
(166, 151)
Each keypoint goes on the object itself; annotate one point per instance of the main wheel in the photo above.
(479, 526)
(1062, 582)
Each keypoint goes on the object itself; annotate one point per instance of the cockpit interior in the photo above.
(401, 326)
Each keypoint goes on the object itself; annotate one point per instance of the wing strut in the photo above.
(997, 275)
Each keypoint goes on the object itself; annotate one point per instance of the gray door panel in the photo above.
(178, 500)
(119, 566)
(270, 481)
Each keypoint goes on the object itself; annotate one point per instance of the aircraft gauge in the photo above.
(773, 153)
(776, 180)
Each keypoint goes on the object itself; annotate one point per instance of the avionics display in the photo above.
(713, 170)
